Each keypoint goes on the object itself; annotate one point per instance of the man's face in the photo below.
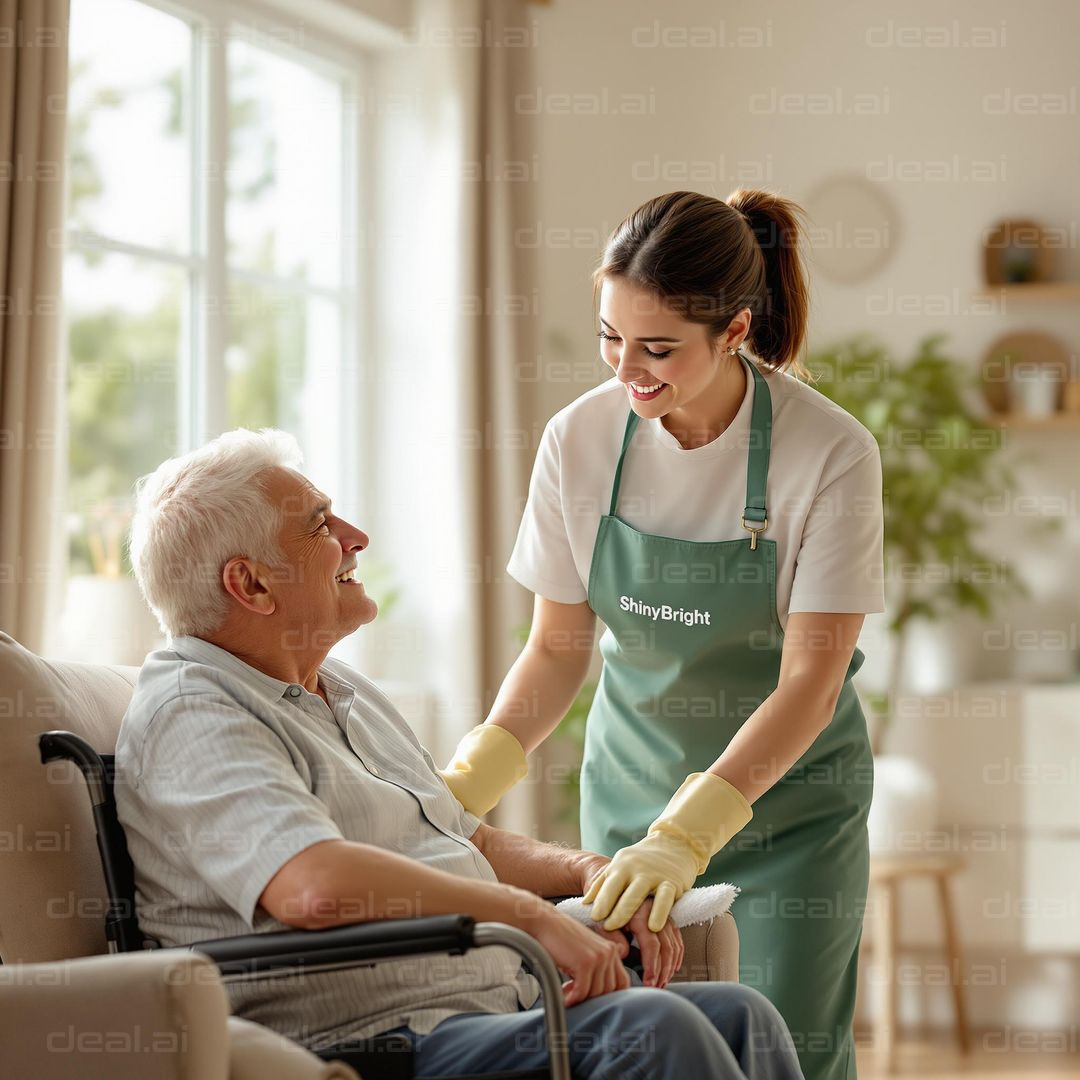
(317, 608)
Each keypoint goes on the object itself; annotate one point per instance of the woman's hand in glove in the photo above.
(702, 816)
(659, 866)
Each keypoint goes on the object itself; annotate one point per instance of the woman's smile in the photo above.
(647, 391)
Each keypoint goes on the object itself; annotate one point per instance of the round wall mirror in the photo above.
(853, 227)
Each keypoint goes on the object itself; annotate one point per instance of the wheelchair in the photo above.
(280, 954)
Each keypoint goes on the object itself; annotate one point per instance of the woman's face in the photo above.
(664, 361)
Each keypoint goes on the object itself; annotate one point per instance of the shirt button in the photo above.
(373, 770)
(294, 691)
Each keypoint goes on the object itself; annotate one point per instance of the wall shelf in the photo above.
(1032, 290)
(1022, 422)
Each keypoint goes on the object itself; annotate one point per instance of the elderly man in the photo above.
(264, 785)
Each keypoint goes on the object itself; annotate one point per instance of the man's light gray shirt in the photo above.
(225, 773)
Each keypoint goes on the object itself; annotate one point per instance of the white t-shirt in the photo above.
(823, 496)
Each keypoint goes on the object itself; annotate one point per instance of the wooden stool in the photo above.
(886, 873)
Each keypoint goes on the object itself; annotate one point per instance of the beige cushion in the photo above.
(106, 1016)
(52, 891)
(139, 1016)
(711, 951)
(256, 1053)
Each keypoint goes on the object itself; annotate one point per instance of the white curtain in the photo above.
(455, 324)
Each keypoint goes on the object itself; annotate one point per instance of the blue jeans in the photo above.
(687, 1030)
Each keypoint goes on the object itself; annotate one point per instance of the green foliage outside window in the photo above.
(122, 371)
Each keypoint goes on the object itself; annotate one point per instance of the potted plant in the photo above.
(940, 464)
(105, 619)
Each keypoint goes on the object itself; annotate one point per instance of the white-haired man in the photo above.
(264, 785)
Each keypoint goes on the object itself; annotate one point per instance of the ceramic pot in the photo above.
(106, 621)
(904, 807)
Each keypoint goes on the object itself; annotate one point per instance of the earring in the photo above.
(731, 351)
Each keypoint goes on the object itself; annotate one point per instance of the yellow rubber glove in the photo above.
(487, 763)
(702, 816)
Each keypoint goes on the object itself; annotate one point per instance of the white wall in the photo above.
(594, 167)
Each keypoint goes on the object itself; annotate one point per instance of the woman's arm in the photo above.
(535, 695)
(541, 685)
(817, 650)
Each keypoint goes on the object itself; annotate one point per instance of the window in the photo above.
(201, 296)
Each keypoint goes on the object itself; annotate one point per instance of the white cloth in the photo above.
(824, 497)
(694, 906)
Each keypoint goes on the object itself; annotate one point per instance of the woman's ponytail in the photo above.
(713, 258)
(778, 331)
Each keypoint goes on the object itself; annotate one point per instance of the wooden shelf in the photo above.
(1033, 290)
(1021, 422)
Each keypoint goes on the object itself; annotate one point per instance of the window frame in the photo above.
(202, 380)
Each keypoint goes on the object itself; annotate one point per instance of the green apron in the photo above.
(692, 648)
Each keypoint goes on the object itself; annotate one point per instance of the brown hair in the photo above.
(709, 259)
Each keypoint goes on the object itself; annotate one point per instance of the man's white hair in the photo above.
(194, 513)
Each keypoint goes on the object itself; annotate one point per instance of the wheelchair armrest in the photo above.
(349, 945)
(287, 951)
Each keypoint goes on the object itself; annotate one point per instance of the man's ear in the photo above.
(245, 581)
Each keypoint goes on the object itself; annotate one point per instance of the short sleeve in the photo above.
(543, 559)
(840, 565)
(221, 791)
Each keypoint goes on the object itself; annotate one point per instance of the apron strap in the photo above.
(755, 516)
(628, 434)
(757, 463)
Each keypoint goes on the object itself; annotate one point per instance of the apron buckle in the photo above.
(754, 531)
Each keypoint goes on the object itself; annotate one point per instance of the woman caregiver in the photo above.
(723, 519)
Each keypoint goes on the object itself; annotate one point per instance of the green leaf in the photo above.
(941, 467)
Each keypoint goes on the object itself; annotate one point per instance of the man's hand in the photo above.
(661, 952)
(593, 961)
(589, 864)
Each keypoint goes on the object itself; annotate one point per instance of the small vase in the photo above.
(904, 807)
(106, 621)
(941, 654)
(1033, 390)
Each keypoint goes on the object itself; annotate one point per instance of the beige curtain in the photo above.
(506, 339)
(33, 89)
(456, 309)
